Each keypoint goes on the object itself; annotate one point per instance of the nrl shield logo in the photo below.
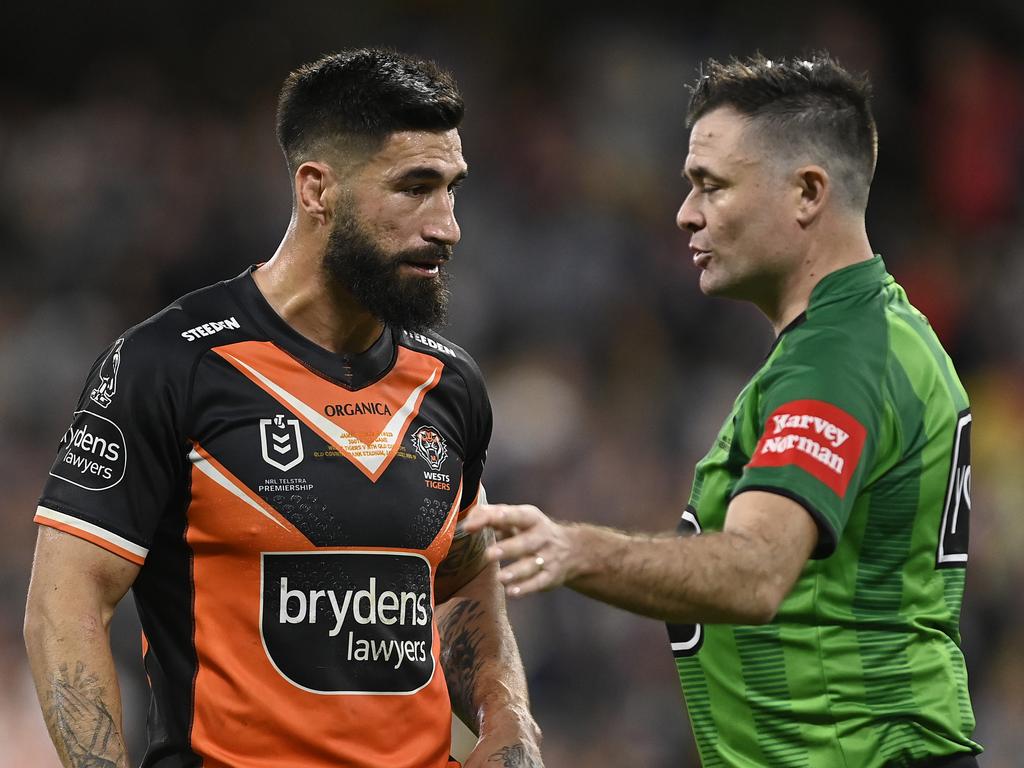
(281, 441)
(430, 446)
(104, 393)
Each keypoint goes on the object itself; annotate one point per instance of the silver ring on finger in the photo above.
(539, 560)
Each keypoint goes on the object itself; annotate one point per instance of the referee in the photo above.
(815, 619)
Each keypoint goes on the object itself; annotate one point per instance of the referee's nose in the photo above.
(688, 217)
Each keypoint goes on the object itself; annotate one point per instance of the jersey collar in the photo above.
(848, 281)
(350, 371)
(856, 278)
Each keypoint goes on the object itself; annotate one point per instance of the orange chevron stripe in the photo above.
(249, 494)
(369, 440)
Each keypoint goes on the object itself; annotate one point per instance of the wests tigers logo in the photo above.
(430, 446)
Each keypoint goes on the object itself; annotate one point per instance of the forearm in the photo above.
(480, 657)
(77, 686)
(722, 577)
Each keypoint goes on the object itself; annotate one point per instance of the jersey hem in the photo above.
(826, 534)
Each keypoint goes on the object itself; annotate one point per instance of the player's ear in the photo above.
(815, 187)
(312, 181)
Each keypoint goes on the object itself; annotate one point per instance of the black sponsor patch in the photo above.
(956, 513)
(686, 639)
(91, 453)
(348, 622)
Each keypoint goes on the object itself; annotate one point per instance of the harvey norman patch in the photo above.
(816, 436)
(348, 622)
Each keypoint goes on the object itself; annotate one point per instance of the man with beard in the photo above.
(277, 466)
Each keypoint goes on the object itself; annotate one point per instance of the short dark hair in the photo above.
(809, 106)
(364, 94)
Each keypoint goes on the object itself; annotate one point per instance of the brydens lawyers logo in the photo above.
(92, 453)
(103, 394)
(281, 441)
(348, 622)
(816, 436)
(430, 446)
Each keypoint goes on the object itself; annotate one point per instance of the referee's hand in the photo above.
(537, 553)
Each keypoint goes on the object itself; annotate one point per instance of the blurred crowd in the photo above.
(138, 162)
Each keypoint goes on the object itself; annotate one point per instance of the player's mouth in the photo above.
(424, 267)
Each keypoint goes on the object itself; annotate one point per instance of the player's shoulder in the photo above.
(174, 338)
(445, 350)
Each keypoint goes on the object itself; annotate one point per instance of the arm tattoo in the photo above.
(466, 552)
(514, 756)
(83, 729)
(460, 658)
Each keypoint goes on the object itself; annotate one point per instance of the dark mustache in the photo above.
(427, 253)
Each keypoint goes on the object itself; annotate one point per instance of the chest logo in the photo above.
(430, 446)
(281, 441)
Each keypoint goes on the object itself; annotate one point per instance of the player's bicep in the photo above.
(466, 559)
(782, 533)
(71, 573)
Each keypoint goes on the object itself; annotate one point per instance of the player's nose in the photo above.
(441, 226)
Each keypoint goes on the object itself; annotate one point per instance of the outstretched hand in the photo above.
(536, 551)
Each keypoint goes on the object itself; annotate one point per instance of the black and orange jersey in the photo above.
(289, 508)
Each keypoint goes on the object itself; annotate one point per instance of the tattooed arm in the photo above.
(75, 586)
(480, 658)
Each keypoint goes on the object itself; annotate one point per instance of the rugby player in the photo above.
(276, 465)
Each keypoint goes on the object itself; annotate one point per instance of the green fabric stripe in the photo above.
(953, 590)
(878, 595)
(915, 320)
(698, 704)
(763, 665)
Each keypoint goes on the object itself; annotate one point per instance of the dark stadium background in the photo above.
(137, 162)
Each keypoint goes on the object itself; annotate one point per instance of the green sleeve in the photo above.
(818, 410)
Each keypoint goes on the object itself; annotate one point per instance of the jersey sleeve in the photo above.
(818, 413)
(120, 461)
(479, 426)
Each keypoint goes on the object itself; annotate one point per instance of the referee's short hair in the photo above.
(807, 110)
(353, 100)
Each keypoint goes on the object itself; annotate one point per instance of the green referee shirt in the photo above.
(857, 415)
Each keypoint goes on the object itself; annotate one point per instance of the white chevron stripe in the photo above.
(218, 477)
(95, 530)
(351, 445)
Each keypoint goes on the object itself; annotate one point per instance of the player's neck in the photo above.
(842, 247)
(294, 285)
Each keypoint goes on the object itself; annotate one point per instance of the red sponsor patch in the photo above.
(816, 436)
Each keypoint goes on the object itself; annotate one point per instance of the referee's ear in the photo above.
(815, 186)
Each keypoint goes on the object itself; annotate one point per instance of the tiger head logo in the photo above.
(430, 446)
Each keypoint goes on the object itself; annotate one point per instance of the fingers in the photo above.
(521, 569)
(524, 544)
(503, 518)
(541, 580)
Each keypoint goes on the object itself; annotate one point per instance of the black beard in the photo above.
(371, 275)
